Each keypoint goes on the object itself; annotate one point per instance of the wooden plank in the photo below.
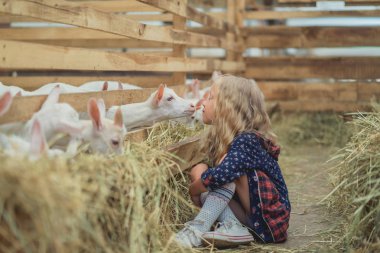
(309, 37)
(358, 2)
(5, 18)
(104, 43)
(81, 37)
(301, 91)
(34, 82)
(187, 152)
(55, 11)
(313, 67)
(23, 108)
(181, 8)
(264, 15)
(30, 56)
(368, 91)
(303, 106)
(179, 22)
(117, 6)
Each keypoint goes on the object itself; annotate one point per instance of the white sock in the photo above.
(226, 215)
(215, 203)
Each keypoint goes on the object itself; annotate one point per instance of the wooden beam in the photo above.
(35, 82)
(313, 67)
(309, 37)
(187, 152)
(303, 106)
(263, 15)
(30, 56)
(181, 8)
(116, 6)
(179, 22)
(23, 108)
(5, 18)
(67, 13)
(357, 2)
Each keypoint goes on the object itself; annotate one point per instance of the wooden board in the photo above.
(34, 82)
(263, 14)
(4, 18)
(23, 108)
(313, 67)
(309, 37)
(68, 13)
(187, 152)
(21, 55)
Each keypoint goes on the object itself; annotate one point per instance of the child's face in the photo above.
(209, 106)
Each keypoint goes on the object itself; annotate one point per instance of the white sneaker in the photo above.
(227, 234)
(189, 236)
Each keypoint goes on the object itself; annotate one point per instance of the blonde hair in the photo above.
(239, 108)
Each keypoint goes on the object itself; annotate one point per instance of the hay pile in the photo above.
(128, 203)
(357, 185)
(169, 132)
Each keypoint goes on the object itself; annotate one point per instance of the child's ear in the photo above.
(5, 102)
(94, 113)
(105, 86)
(38, 141)
(159, 95)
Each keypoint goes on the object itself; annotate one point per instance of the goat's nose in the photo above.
(191, 105)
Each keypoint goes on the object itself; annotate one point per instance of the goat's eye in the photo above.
(170, 98)
(115, 142)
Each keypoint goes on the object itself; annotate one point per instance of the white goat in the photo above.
(33, 148)
(162, 105)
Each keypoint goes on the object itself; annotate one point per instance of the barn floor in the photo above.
(306, 173)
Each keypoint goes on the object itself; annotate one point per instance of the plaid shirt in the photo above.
(255, 157)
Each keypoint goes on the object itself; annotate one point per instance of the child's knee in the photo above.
(197, 171)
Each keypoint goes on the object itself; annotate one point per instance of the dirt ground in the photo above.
(306, 174)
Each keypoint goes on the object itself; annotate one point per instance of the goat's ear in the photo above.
(52, 98)
(38, 141)
(216, 75)
(105, 86)
(94, 113)
(102, 107)
(118, 119)
(159, 95)
(119, 86)
(5, 102)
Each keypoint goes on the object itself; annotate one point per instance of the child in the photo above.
(244, 190)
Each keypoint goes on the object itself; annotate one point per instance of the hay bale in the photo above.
(356, 178)
(91, 204)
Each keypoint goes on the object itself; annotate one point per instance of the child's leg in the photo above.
(215, 203)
